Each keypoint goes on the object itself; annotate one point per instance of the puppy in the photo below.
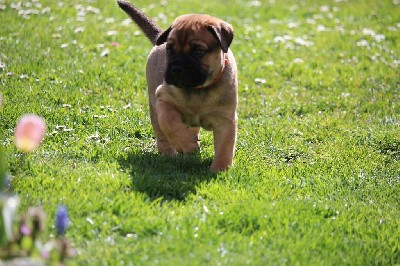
(192, 82)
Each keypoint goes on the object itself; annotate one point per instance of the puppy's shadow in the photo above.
(169, 178)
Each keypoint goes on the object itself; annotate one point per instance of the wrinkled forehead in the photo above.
(181, 37)
(195, 21)
(191, 29)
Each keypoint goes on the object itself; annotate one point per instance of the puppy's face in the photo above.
(195, 49)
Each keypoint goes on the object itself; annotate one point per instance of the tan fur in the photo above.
(178, 113)
(176, 116)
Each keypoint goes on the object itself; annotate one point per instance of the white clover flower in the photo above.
(379, 37)
(362, 43)
(298, 61)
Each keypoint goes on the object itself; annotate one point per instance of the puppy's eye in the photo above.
(170, 51)
(198, 53)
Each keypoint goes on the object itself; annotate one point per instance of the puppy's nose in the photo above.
(177, 70)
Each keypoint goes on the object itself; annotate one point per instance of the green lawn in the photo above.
(316, 179)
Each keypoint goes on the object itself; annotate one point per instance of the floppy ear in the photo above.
(223, 33)
(162, 38)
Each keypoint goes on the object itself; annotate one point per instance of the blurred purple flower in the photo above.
(62, 220)
(45, 254)
(25, 230)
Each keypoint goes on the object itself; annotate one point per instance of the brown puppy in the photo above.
(192, 82)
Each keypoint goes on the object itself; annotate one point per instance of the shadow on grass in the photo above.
(170, 178)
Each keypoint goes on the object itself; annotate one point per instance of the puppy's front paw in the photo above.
(187, 147)
(220, 164)
(218, 168)
(186, 140)
(183, 138)
(165, 148)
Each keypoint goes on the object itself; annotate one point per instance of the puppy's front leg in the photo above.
(224, 145)
(163, 145)
(183, 138)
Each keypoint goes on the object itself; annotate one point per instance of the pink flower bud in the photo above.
(29, 132)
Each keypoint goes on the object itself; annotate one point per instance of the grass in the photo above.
(316, 179)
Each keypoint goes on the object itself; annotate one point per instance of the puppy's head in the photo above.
(195, 47)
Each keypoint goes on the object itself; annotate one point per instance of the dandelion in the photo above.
(29, 132)
(62, 220)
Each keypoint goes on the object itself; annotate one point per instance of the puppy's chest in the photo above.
(197, 109)
(197, 120)
(202, 111)
(196, 113)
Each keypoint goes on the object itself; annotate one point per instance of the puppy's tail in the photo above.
(150, 29)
